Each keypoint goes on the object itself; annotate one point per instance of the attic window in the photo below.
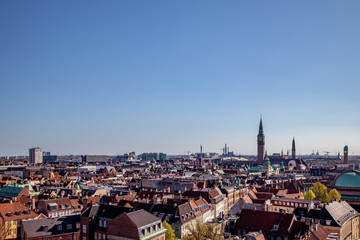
(59, 227)
(26, 211)
(17, 212)
(9, 214)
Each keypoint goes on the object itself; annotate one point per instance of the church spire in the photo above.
(261, 131)
(260, 144)
(293, 150)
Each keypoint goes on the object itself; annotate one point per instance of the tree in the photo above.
(5, 228)
(320, 191)
(200, 231)
(309, 195)
(169, 235)
(334, 195)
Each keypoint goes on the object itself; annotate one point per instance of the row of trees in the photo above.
(319, 192)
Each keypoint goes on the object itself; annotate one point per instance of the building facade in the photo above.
(35, 155)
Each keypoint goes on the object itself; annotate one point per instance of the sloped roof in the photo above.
(47, 227)
(341, 211)
(13, 207)
(111, 211)
(263, 220)
(142, 218)
(10, 191)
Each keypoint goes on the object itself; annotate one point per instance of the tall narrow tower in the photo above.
(346, 150)
(293, 150)
(260, 144)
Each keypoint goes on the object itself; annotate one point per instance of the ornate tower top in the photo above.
(261, 131)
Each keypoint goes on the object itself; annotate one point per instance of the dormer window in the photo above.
(59, 227)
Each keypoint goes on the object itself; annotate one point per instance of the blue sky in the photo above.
(108, 77)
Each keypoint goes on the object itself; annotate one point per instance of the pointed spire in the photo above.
(261, 131)
(293, 144)
(293, 151)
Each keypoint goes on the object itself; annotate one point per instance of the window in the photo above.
(68, 226)
(100, 223)
(143, 232)
(59, 227)
(75, 237)
(59, 238)
(14, 231)
(104, 236)
(84, 238)
(69, 237)
(104, 224)
(95, 235)
(84, 228)
(159, 226)
(148, 230)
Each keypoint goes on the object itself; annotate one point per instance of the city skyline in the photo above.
(89, 78)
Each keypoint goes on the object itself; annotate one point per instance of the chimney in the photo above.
(33, 204)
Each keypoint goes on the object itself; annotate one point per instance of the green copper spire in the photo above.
(261, 131)
(267, 162)
(282, 168)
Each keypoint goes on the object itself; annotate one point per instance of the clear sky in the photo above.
(108, 77)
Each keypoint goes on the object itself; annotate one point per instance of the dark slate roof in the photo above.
(166, 212)
(48, 227)
(111, 211)
(142, 218)
(185, 212)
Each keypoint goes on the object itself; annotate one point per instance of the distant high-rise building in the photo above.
(293, 150)
(260, 144)
(35, 155)
(226, 150)
(346, 151)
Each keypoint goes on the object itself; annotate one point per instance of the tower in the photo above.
(293, 150)
(260, 144)
(35, 155)
(346, 150)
